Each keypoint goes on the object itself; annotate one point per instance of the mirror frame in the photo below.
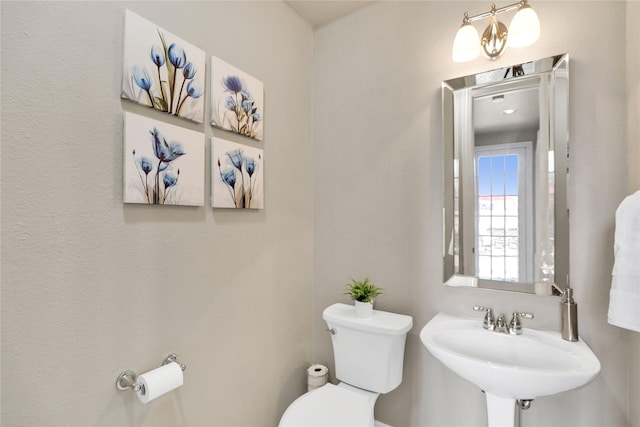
(552, 68)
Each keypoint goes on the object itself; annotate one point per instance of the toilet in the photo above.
(369, 357)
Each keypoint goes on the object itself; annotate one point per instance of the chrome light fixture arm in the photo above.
(525, 26)
(494, 11)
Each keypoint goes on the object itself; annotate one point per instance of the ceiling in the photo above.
(489, 111)
(322, 12)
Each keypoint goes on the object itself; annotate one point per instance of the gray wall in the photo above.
(377, 193)
(91, 287)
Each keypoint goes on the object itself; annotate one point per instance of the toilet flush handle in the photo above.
(332, 331)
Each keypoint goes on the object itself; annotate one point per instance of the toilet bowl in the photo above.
(369, 358)
(331, 405)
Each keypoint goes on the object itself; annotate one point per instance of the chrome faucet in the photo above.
(515, 327)
(499, 324)
(488, 322)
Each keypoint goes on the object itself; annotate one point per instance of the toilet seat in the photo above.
(329, 405)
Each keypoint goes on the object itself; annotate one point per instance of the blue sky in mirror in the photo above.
(498, 175)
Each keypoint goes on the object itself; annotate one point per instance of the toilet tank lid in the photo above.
(382, 322)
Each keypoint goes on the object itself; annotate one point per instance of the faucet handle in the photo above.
(515, 327)
(488, 322)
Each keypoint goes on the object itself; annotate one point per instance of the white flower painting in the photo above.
(162, 71)
(163, 163)
(237, 178)
(237, 100)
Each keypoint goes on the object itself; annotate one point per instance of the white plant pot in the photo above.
(364, 309)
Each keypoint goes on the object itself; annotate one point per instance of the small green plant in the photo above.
(362, 290)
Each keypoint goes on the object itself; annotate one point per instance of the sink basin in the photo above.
(509, 367)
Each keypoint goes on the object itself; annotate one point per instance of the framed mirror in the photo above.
(506, 152)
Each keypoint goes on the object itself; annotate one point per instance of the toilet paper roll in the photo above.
(155, 383)
(317, 376)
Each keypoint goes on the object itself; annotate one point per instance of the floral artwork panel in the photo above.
(162, 71)
(163, 163)
(237, 100)
(237, 175)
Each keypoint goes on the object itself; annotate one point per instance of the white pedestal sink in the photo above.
(509, 367)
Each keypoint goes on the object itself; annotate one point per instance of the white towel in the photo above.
(624, 298)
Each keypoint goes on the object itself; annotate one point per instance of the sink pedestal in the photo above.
(501, 411)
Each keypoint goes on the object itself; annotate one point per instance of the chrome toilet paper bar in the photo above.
(129, 379)
(172, 357)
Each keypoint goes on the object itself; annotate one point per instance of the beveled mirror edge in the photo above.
(552, 64)
(541, 65)
(562, 140)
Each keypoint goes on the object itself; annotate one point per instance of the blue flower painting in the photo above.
(237, 178)
(161, 70)
(163, 163)
(236, 100)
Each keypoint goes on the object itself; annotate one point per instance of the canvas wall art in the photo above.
(161, 70)
(163, 163)
(237, 100)
(237, 175)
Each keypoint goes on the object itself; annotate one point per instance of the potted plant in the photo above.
(363, 293)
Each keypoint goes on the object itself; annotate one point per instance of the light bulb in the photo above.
(466, 45)
(525, 28)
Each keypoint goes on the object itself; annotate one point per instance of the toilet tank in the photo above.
(368, 352)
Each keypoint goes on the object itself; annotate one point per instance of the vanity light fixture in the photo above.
(523, 31)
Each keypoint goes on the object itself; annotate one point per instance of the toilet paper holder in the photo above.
(128, 379)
